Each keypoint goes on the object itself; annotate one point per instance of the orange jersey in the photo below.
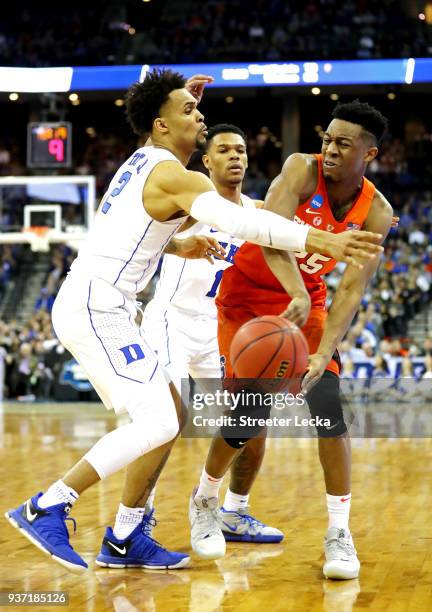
(250, 280)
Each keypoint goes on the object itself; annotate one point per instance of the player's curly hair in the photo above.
(223, 128)
(362, 114)
(144, 100)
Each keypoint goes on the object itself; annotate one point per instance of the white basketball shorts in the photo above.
(186, 344)
(96, 324)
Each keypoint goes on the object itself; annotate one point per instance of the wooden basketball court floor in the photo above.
(391, 521)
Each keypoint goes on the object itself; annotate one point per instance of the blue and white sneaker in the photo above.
(139, 549)
(46, 529)
(242, 527)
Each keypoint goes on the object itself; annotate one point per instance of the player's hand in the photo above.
(298, 309)
(395, 222)
(196, 84)
(353, 247)
(200, 247)
(316, 368)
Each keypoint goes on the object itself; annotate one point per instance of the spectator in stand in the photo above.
(428, 368)
(427, 346)
(407, 370)
(424, 386)
(22, 372)
(8, 265)
(61, 261)
(381, 382)
(45, 301)
(381, 368)
(25, 348)
(348, 369)
(407, 388)
(416, 236)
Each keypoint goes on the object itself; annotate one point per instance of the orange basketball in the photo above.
(270, 347)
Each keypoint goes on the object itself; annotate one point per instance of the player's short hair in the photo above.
(362, 113)
(144, 100)
(223, 128)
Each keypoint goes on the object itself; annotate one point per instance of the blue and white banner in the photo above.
(320, 73)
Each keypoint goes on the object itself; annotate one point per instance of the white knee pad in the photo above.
(154, 413)
(117, 449)
(158, 426)
(154, 423)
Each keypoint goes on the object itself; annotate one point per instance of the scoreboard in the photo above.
(49, 145)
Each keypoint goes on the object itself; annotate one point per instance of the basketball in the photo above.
(270, 347)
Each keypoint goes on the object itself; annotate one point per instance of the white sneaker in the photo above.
(207, 539)
(341, 556)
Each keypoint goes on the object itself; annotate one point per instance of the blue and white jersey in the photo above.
(191, 285)
(125, 244)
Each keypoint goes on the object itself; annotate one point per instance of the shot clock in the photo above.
(49, 144)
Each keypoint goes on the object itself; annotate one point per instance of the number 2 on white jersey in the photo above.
(123, 181)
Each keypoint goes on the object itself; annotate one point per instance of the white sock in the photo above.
(235, 502)
(150, 500)
(338, 507)
(58, 493)
(209, 486)
(126, 521)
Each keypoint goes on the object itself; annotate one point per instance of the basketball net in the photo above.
(38, 237)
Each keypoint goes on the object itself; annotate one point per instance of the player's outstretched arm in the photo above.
(354, 247)
(172, 189)
(348, 296)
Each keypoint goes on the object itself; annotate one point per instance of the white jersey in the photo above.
(191, 285)
(124, 245)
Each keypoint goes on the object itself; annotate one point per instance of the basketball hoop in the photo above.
(38, 237)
